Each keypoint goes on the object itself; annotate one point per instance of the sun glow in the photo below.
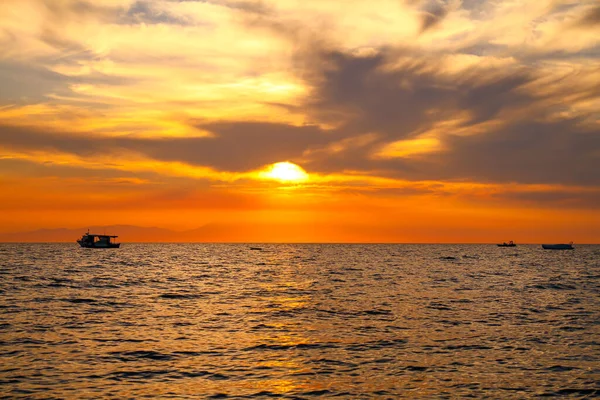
(284, 172)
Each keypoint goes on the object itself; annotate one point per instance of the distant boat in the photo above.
(563, 246)
(92, 241)
(509, 244)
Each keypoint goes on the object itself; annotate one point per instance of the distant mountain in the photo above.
(215, 232)
(126, 233)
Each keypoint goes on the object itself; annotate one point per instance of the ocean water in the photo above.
(299, 321)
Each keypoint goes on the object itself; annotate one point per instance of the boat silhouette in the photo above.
(509, 244)
(561, 246)
(93, 241)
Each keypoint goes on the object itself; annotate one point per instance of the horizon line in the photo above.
(268, 243)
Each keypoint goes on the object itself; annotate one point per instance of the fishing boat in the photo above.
(93, 241)
(562, 246)
(509, 244)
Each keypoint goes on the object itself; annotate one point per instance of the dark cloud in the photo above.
(527, 152)
(591, 18)
(483, 49)
(401, 102)
(141, 11)
(591, 52)
(478, 9)
(24, 84)
(243, 146)
(249, 6)
(398, 103)
(374, 99)
(253, 7)
(433, 14)
(485, 97)
(144, 12)
(236, 146)
(31, 84)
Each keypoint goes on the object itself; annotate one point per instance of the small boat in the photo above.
(92, 241)
(509, 244)
(568, 246)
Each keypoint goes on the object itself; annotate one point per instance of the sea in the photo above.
(299, 321)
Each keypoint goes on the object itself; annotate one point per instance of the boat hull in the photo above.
(558, 247)
(507, 245)
(99, 246)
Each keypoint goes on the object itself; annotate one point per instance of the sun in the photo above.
(285, 172)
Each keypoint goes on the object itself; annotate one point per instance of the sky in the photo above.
(304, 120)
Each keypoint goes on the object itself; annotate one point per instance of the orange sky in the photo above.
(308, 121)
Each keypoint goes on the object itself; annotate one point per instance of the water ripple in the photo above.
(299, 321)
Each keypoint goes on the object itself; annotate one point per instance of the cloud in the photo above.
(235, 147)
(591, 18)
(433, 14)
(485, 121)
(527, 152)
(146, 12)
(28, 84)
(366, 96)
(249, 6)
(493, 92)
(505, 132)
